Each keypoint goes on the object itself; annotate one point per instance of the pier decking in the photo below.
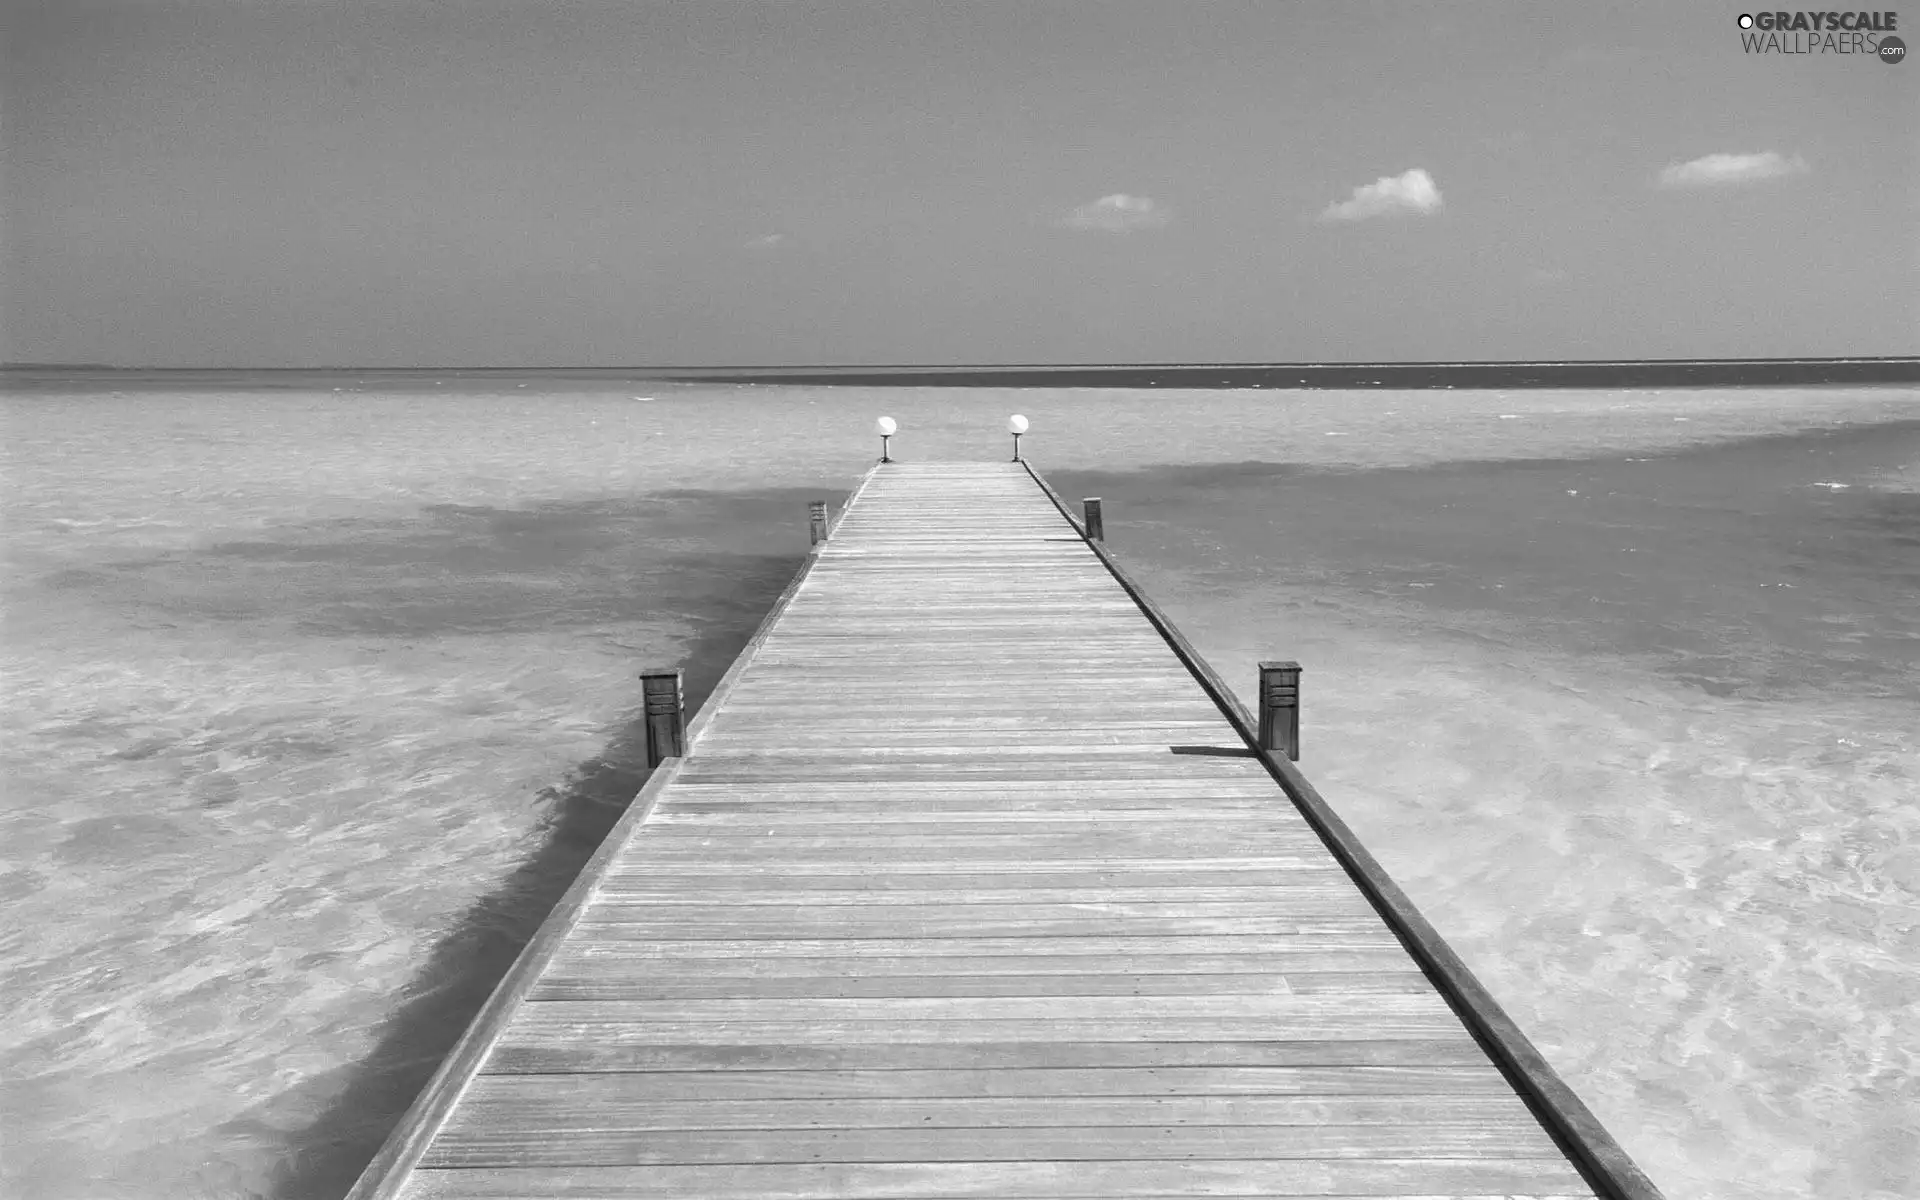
(967, 885)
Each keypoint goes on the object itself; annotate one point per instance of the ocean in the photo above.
(314, 699)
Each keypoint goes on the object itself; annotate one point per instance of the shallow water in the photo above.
(314, 699)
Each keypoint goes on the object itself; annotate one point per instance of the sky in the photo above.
(309, 183)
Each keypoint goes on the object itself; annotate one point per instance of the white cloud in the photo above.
(1411, 191)
(1715, 169)
(767, 242)
(1117, 214)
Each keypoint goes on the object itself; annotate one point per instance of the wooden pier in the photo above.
(971, 880)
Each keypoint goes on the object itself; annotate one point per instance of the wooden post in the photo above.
(1280, 708)
(1095, 529)
(666, 714)
(817, 519)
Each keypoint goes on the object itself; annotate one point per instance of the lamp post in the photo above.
(1016, 425)
(886, 427)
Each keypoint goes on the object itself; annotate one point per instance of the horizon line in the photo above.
(1054, 366)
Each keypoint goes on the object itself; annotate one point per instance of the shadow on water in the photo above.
(1760, 568)
(723, 596)
(325, 1158)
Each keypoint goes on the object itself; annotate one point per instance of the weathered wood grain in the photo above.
(989, 1083)
(590, 961)
(511, 1143)
(693, 1054)
(558, 1104)
(594, 980)
(1279, 1012)
(1410, 1178)
(1289, 888)
(1307, 935)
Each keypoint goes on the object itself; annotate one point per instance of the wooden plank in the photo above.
(1130, 881)
(1160, 826)
(853, 772)
(937, 830)
(1172, 870)
(1172, 786)
(1410, 1178)
(1314, 935)
(1000, 920)
(513, 1146)
(954, 741)
(626, 1103)
(938, 808)
(1352, 1022)
(1275, 1011)
(625, 890)
(1251, 816)
(640, 981)
(612, 962)
(1116, 841)
(854, 925)
(1017, 794)
(693, 1054)
(903, 856)
(1159, 1081)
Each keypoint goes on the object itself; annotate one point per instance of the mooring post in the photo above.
(1095, 529)
(1280, 708)
(666, 714)
(817, 520)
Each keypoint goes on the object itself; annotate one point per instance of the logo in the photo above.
(1870, 34)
